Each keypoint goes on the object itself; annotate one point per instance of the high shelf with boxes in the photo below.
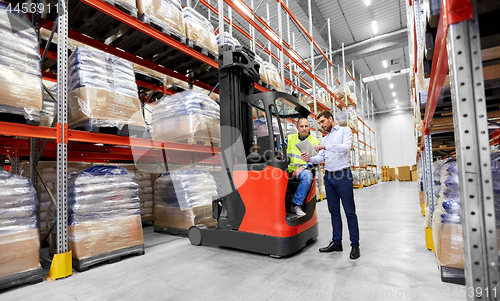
(123, 33)
(459, 192)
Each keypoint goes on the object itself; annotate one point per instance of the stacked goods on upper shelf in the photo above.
(145, 193)
(103, 212)
(19, 242)
(273, 77)
(47, 113)
(187, 116)
(343, 93)
(48, 169)
(353, 118)
(102, 92)
(229, 40)
(183, 198)
(262, 69)
(199, 31)
(165, 14)
(21, 92)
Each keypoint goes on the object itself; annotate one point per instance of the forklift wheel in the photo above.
(194, 235)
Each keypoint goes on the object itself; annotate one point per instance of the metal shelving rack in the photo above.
(71, 145)
(457, 49)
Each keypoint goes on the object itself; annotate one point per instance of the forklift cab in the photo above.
(251, 211)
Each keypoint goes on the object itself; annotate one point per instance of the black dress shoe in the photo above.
(354, 253)
(331, 247)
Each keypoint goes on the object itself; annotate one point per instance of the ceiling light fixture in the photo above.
(374, 27)
(394, 94)
(395, 100)
(391, 86)
(384, 63)
(367, 2)
(388, 75)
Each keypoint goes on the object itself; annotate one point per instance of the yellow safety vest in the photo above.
(294, 153)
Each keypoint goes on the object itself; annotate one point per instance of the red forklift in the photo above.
(253, 209)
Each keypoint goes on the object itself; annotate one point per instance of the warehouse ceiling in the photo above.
(351, 24)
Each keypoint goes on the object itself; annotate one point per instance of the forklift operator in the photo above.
(296, 167)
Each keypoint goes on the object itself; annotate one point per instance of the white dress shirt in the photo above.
(337, 150)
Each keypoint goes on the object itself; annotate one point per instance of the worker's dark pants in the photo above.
(338, 187)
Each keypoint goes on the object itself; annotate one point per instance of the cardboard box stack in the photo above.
(21, 91)
(166, 14)
(103, 212)
(388, 174)
(187, 116)
(414, 173)
(200, 31)
(19, 241)
(183, 198)
(102, 91)
(404, 173)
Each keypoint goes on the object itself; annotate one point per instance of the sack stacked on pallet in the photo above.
(228, 40)
(145, 193)
(19, 242)
(103, 211)
(166, 14)
(102, 91)
(200, 31)
(48, 169)
(188, 116)
(20, 76)
(446, 223)
(183, 198)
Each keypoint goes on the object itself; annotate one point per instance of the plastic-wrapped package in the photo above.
(49, 174)
(19, 241)
(21, 91)
(188, 115)
(273, 76)
(262, 70)
(102, 91)
(166, 14)
(341, 118)
(183, 198)
(200, 31)
(229, 40)
(103, 211)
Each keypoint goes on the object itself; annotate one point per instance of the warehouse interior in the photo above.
(148, 149)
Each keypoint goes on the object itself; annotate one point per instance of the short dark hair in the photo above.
(326, 114)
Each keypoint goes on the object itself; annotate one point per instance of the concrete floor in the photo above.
(394, 264)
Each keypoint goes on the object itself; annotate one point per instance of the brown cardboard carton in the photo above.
(20, 89)
(103, 106)
(97, 237)
(187, 127)
(19, 252)
(174, 217)
(392, 174)
(414, 167)
(404, 173)
(414, 175)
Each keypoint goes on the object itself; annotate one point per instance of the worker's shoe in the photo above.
(331, 248)
(354, 253)
(298, 210)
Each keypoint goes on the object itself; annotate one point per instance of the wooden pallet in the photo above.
(201, 49)
(171, 231)
(84, 264)
(126, 130)
(452, 275)
(199, 141)
(162, 27)
(358, 186)
(32, 276)
(18, 118)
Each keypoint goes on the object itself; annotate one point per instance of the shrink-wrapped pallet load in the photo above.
(199, 31)
(166, 14)
(103, 214)
(19, 241)
(21, 92)
(183, 198)
(228, 40)
(273, 76)
(188, 116)
(102, 92)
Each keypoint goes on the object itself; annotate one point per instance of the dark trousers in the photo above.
(338, 187)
